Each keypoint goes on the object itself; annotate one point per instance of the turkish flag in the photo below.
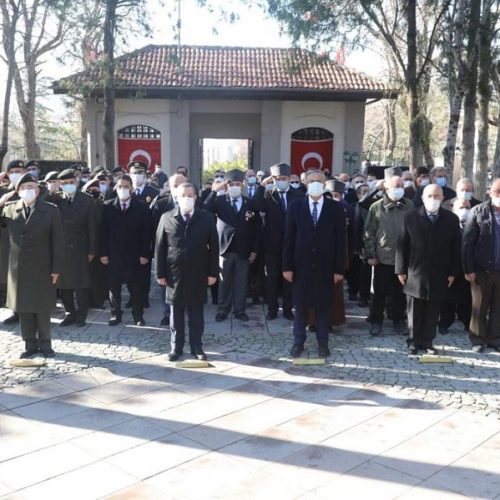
(146, 150)
(311, 154)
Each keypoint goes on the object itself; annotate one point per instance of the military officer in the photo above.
(35, 262)
(140, 188)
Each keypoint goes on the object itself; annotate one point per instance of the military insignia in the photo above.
(148, 199)
(249, 215)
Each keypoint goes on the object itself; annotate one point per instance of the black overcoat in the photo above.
(428, 252)
(314, 253)
(186, 255)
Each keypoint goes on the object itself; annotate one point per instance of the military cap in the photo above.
(137, 165)
(24, 179)
(90, 183)
(85, 170)
(260, 173)
(392, 171)
(117, 170)
(66, 174)
(235, 175)
(51, 176)
(98, 169)
(75, 166)
(421, 171)
(32, 163)
(16, 164)
(280, 169)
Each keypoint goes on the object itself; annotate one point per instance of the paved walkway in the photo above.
(109, 416)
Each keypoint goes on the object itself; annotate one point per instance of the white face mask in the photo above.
(462, 213)
(315, 189)
(27, 195)
(186, 204)
(137, 179)
(123, 193)
(234, 191)
(14, 177)
(396, 193)
(432, 205)
(496, 201)
(408, 184)
(371, 184)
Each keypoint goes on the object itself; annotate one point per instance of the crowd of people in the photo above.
(407, 247)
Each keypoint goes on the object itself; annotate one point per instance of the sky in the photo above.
(253, 28)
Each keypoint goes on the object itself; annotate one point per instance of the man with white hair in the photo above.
(382, 227)
(427, 263)
(465, 191)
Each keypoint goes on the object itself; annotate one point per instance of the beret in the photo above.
(16, 164)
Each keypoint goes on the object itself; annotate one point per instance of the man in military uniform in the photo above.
(35, 262)
(80, 231)
(15, 170)
(140, 188)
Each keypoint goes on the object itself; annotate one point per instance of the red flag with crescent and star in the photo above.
(146, 150)
(311, 154)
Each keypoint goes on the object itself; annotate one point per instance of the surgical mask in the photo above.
(234, 191)
(69, 188)
(14, 177)
(102, 187)
(186, 204)
(251, 181)
(295, 185)
(424, 182)
(218, 178)
(464, 195)
(396, 193)
(137, 179)
(84, 179)
(315, 189)
(441, 181)
(123, 193)
(371, 184)
(496, 201)
(27, 195)
(432, 205)
(408, 184)
(462, 213)
(35, 173)
(282, 185)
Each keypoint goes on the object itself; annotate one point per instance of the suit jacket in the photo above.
(36, 252)
(269, 202)
(124, 237)
(186, 255)
(314, 253)
(428, 253)
(148, 195)
(237, 232)
(80, 231)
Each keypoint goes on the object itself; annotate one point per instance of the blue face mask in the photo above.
(69, 189)
(441, 181)
(282, 185)
(315, 189)
(251, 181)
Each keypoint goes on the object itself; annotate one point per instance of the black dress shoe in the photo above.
(323, 351)
(412, 351)
(140, 322)
(165, 321)
(220, 317)
(28, 353)
(69, 319)
(288, 315)
(270, 316)
(242, 316)
(432, 351)
(114, 320)
(311, 328)
(199, 354)
(11, 320)
(296, 350)
(478, 348)
(375, 329)
(174, 356)
(48, 353)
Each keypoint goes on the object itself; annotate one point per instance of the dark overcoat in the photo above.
(5, 240)
(80, 231)
(36, 252)
(314, 253)
(186, 255)
(124, 237)
(428, 252)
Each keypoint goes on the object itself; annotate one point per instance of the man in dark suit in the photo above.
(186, 256)
(35, 262)
(275, 204)
(125, 249)
(427, 263)
(313, 259)
(80, 231)
(237, 226)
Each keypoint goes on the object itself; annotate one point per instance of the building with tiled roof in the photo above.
(283, 101)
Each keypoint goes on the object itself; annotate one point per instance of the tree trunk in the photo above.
(451, 138)
(483, 87)
(470, 98)
(496, 159)
(412, 83)
(4, 144)
(425, 129)
(82, 111)
(108, 84)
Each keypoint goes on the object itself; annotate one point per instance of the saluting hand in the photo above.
(6, 197)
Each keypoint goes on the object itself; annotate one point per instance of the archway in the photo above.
(140, 143)
(311, 147)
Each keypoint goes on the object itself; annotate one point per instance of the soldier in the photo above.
(35, 262)
(141, 189)
(80, 231)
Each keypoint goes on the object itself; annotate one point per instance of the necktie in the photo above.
(235, 207)
(432, 217)
(137, 192)
(315, 212)
(124, 207)
(251, 193)
(28, 211)
(187, 218)
(283, 201)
